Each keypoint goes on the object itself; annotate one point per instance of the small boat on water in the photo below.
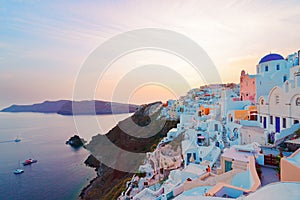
(18, 171)
(29, 161)
(17, 140)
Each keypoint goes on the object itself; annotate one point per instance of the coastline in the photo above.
(87, 187)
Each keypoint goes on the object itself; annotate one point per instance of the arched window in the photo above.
(298, 101)
(277, 99)
(284, 78)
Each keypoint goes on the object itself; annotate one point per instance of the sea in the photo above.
(60, 172)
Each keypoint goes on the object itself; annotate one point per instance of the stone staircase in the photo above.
(238, 165)
(226, 145)
(216, 165)
(224, 137)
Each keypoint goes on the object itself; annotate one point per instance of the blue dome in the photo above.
(270, 57)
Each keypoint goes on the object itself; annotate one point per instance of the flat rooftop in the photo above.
(237, 155)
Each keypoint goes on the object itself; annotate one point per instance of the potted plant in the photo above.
(277, 169)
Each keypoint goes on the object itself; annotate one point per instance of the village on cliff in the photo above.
(233, 141)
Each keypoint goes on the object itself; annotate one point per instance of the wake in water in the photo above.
(8, 141)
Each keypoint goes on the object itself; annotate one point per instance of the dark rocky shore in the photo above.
(75, 141)
(111, 182)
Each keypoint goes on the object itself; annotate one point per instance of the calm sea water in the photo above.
(60, 172)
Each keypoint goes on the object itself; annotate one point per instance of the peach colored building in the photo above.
(290, 167)
(246, 114)
(247, 87)
(204, 110)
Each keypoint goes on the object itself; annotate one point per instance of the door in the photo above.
(216, 127)
(188, 158)
(277, 124)
(228, 166)
(265, 122)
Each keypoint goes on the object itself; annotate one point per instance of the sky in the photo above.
(43, 44)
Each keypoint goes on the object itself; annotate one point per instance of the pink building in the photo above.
(247, 87)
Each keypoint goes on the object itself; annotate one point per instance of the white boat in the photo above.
(18, 171)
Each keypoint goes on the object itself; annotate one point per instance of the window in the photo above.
(260, 119)
(216, 127)
(296, 121)
(298, 101)
(277, 99)
(266, 68)
(277, 67)
(284, 78)
(262, 102)
(284, 122)
(271, 119)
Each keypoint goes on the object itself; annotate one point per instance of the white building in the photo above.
(279, 111)
(277, 95)
(273, 70)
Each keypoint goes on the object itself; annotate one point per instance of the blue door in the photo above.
(265, 122)
(170, 195)
(277, 124)
(228, 166)
(188, 158)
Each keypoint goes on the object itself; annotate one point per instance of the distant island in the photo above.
(67, 107)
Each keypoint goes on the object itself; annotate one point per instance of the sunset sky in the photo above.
(43, 44)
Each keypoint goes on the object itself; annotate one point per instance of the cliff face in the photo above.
(66, 107)
(112, 182)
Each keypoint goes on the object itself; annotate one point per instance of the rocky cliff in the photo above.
(112, 182)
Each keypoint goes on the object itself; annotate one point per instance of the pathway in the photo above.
(269, 175)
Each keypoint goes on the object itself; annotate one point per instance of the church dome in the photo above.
(270, 57)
